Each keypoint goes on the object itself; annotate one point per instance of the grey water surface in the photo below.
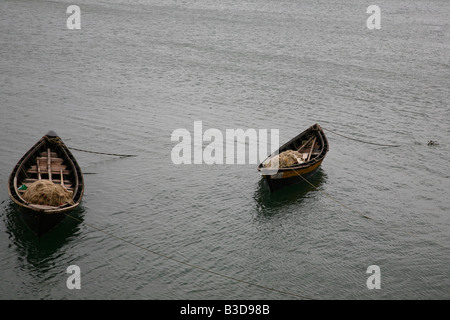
(138, 70)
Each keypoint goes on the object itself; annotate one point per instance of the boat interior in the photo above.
(309, 146)
(47, 165)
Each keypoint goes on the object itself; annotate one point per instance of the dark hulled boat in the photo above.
(311, 144)
(49, 159)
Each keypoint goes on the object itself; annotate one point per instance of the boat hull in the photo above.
(39, 222)
(287, 178)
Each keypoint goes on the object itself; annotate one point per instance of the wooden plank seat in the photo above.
(44, 160)
(55, 169)
(29, 181)
(52, 154)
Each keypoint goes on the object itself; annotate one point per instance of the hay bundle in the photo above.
(286, 159)
(47, 193)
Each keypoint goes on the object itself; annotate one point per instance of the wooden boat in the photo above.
(313, 146)
(49, 159)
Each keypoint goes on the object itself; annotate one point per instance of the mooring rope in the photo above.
(332, 198)
(193, 265)
(58, 141)
(104, 153)
(368, 142)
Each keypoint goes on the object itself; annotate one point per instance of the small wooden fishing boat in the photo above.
(311, 147)
(48, 160)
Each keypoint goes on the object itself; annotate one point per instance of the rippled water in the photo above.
(136, 71)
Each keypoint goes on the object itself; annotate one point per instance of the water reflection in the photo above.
(269, 203)
(37, 253)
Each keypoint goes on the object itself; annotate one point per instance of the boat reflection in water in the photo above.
(270, 203)
(36, 252)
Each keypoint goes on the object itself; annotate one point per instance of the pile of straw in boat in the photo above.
(286, 159)
(44, 192)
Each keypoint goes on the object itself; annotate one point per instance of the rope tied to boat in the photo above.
(193, 266)
(367, 142)
(58, 141)
(332, 198)
(103, 153)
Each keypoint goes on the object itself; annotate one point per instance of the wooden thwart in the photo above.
(45, 153)
(55, 169)
(53, 160)
(31, 180)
